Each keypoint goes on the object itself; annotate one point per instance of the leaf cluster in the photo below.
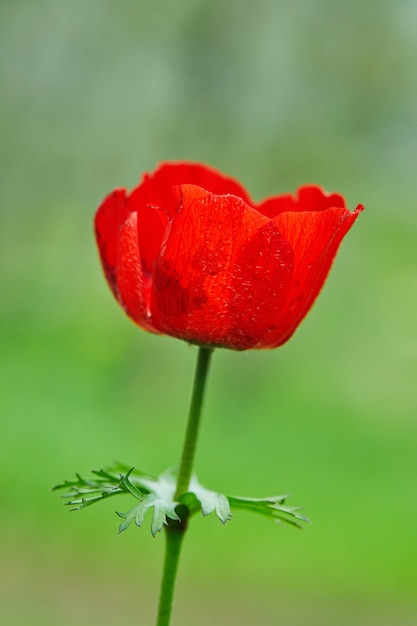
(157, 493)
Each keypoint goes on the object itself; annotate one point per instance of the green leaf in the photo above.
(160, 498)
(210, 501)
(162, 510)
(157, 493)
(272, 507)
(82, 492)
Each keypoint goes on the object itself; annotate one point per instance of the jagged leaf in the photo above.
(84, 492)
(160, 498)
(162, 510)
(157, 493)
(272, 507)
(210, 501)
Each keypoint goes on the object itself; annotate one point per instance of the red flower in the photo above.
(189, 254)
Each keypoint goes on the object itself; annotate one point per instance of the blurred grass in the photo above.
(276, 94)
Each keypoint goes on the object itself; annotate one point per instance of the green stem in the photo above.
(188, 452)
(174, 535)
(175, 530)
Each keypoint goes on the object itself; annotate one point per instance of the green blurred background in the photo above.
(277, 94)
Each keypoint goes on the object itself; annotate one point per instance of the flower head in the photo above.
(189, 254)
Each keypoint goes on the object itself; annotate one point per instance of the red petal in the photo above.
(110, 215)
(129, 279)
(155, 200)
(152, 222)
(156, 189)
(223, 274)
(315, 238)
(309, 198)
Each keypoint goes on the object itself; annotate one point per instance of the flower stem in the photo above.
(175, 530)
(174, 533)
(188, 452)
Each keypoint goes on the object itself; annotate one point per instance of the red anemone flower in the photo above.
(189, 254)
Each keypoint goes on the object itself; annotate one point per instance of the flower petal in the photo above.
(151, 224)
(315, 237)
(129, 278)
(110, 215)
(223, 273)
(156, 189)
(308, 198)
